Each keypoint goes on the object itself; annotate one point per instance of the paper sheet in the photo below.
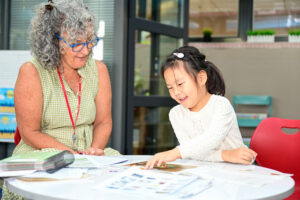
(165, 167)
(88, 161)
(62, 174)
(239, 176)
(152, 184)
(15, 173)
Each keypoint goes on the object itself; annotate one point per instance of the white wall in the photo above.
(261, 71)
(10, 62)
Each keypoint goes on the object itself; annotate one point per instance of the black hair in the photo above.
(194, 62)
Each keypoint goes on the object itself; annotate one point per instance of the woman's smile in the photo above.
(83, 59)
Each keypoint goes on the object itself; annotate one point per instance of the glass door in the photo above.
(156, 28)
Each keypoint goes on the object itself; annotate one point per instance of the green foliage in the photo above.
(260, 32)
(294, 32)
(207, 32)
(139, 81)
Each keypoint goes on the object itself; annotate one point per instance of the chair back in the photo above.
(278, 150)
(251, 119)
(17, 137)
(253, 100)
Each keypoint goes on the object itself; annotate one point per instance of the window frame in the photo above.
(5, 24)
(245, 23)
(155, 28)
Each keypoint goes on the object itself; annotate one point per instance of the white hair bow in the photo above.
(178, 55)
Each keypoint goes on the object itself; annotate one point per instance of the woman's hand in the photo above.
(95, 151)
(163, 157)
(240, 155)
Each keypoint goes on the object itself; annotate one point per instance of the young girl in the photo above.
(204, 122)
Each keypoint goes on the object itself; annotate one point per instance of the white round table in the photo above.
(83, 189)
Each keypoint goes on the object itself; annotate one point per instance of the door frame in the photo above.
(156, 29)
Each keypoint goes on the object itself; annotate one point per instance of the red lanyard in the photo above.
(66, 97)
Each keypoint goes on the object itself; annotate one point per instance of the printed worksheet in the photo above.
(165, 166)
(150, 183)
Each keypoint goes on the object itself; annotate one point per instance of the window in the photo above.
(167, 12)
(23, 11)
(221, 16)
(147, 79)
(21, 14)
(152, 131)
(279, 15)
(155, 30)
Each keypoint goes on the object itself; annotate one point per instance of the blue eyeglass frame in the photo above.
(82, 43)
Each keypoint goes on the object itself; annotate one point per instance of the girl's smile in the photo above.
(184, 89)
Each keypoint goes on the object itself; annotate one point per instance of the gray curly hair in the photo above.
(64, 16)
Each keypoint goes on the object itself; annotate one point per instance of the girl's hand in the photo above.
(95, 151)
(163, 157)
(240, 155)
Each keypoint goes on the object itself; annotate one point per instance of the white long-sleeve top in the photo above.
(204, 134)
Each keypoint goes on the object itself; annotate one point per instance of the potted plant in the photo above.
(207, 32)
(261, 36)
(294, 35)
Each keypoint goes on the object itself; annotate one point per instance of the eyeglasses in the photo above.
(79, 46)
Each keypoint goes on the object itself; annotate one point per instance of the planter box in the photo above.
(261, 39)
(294, 38)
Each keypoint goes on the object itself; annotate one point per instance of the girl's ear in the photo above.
(202, 78)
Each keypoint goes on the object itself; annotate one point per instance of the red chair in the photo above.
(278, 150)
(17, 137)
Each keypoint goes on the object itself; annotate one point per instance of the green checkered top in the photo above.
(55, 117)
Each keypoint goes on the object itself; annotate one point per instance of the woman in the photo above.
(63, 96)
